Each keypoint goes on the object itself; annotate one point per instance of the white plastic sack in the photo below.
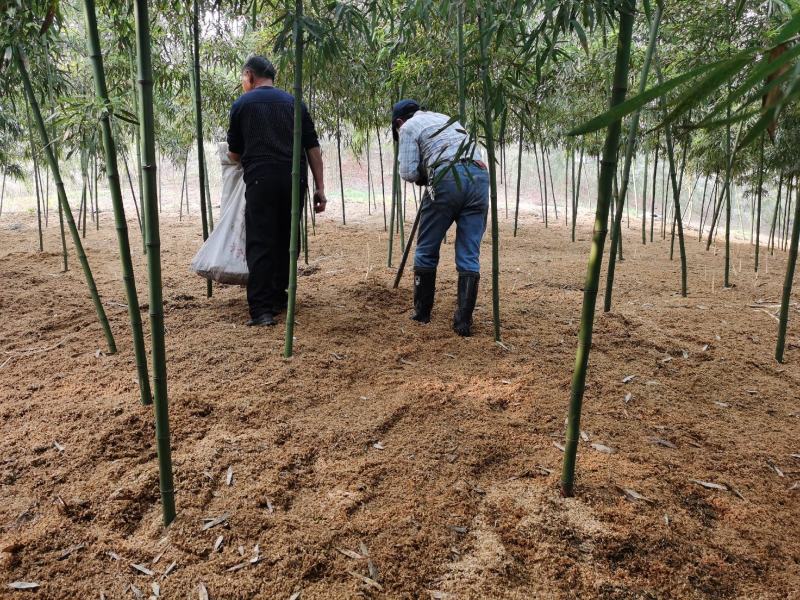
(222, 257)
(231, 175)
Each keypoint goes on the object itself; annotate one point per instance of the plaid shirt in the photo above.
(426, 147)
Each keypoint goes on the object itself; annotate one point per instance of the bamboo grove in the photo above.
(687, 127)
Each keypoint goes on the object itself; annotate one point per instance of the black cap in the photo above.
(402, 110)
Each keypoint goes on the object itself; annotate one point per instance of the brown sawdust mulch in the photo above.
(436, 455)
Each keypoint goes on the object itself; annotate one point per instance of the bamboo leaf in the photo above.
(769, 116)
(581, 35)
(789, 30)
(712, 82)
(636, 102)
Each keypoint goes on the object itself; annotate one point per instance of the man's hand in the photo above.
(320, 201)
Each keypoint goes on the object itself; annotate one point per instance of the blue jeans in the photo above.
(465, 202)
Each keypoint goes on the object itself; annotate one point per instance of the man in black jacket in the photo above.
(260, 135)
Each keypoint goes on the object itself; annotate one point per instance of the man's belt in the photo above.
(471, 161)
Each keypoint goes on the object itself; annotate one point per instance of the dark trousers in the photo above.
(268, 225)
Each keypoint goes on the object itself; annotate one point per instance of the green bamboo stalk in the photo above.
(369, 177)
(758, 209)
(538, 176)
(84, 207)
(630, 144)
(775, 213)
(644, 199)
(703, 201)
(552, 186)
(791, 262)
(519, 175)
(718, 203)
(339, 158)
(150, 208)
(729, 158)
(112, 170)
(138, 156)
(488, 117)
(567, 152)
(395, 198)
(544, 177)
(51, 99)
(676, 192)
(36, 180)
(96, 188)
(462, 84)
(653, 199)
(20, 60)
(787, 207)
(577, 190)
(296, 154)
(676, 216)
(305, 228)
(609, 166)
(383, 178)
(198, 114)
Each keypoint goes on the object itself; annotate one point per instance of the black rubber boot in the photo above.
(465, 304)
(424, 290)
(264, 319)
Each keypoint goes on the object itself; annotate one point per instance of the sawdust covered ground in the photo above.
(397, 452)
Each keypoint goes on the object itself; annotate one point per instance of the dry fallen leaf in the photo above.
(710, 485)
(169, 568)
(229, 477)
(603, 448)
(238, 567)
(58, 446)
(662, 442)
(137, 593)
(633, 495)
(350, 553)
(72, 549)
(295, 596)
(156, 589)
(202, 591)
(142, 569)
(628, 378)
(218, 544)
(775, 468)
(378, 446)
(213, 522)
(559, 446)
(584, 436)
(23, 585)
(370, 582)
